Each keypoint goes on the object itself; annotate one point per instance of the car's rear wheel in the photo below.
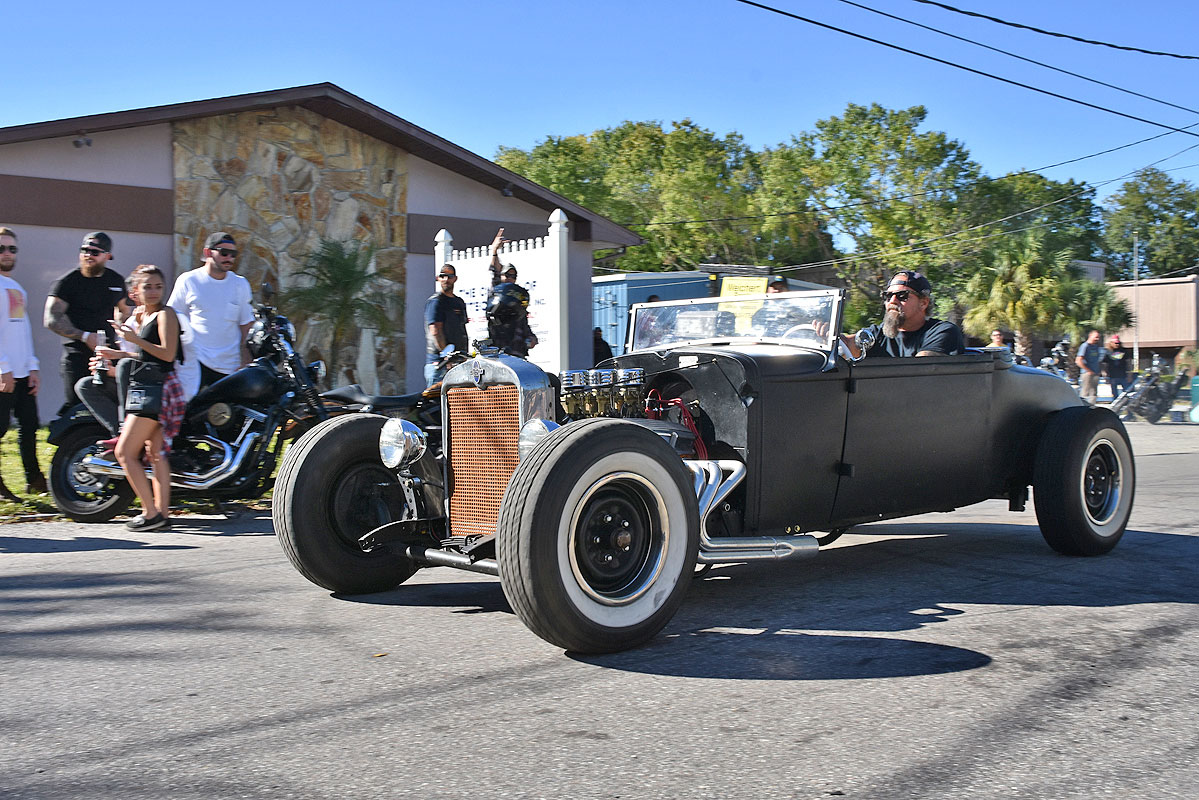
(327, 496)
(1084, 481)
(597, 536)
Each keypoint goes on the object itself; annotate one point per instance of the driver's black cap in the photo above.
(913, 280)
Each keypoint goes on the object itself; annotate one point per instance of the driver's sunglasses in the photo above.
(8, 248)
(900, 296)
(92, 251)
(446, 275)
(225, 252)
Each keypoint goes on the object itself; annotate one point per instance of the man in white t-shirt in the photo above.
(213, 304)
(18, 368)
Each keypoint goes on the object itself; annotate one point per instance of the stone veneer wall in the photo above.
(279, 180)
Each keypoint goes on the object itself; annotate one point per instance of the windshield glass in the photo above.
(794, 318)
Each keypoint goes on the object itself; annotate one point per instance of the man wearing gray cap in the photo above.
(214, 307)
(79, 307)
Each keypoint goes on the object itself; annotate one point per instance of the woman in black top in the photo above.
(143, 432)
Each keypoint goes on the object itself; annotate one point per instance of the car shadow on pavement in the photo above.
(467, 597)
(834, 617)
(79, 544)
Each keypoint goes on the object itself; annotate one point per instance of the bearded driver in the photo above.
(907, 330)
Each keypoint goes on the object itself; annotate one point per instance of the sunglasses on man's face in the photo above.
(446, 275)
(226, 252)
(92, 251)
(8, 248)
(900, 296)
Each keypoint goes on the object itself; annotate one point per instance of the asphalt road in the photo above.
(944, 656)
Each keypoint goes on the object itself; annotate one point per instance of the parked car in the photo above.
(731, 431)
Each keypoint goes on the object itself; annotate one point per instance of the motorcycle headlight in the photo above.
(219, 414)
(401, 443)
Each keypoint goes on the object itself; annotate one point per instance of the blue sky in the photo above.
(485, 74)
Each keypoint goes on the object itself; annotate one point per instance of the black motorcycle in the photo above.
(1149, 397)
(231, 436)
(1058, 361)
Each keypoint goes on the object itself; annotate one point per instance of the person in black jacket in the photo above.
(602, 351)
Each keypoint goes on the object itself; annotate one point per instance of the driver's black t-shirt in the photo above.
(936, 335)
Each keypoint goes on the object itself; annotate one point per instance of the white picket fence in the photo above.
(541, 265)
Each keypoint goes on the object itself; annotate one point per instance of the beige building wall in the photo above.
(54, 193)
(279, 180)
(1166, 309)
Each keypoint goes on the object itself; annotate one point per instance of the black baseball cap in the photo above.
(913, 280)
(217, 239)
(98, 240)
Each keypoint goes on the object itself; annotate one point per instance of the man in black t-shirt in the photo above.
(79, 307)
(907, 330)
(445, 321)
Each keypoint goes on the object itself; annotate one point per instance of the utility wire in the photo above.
(897, 197)
(1015, 55)
(909, 51)
(1052, 33)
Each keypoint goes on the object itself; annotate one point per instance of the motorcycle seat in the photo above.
(353, 394)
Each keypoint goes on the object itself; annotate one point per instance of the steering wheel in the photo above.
(804, 331)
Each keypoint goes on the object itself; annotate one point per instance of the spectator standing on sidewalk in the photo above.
(214, 307)
(508, 306)
(1115, 364)
(18, 368)
(79, 307)
(445, 322)
(1089, 359)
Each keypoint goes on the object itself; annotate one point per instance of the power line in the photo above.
(1052, 33)
(1016, 55)
(898, 197)
(872, 40)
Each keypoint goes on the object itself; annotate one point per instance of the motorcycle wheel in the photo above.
(326, 498)
(80, 495)
(1083, 481)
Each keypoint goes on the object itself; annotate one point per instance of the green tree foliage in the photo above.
(643, 175)
(1164, 214)
(1065, 209)
(1028, 285)
(337, 286)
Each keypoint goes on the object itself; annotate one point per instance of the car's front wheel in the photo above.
(327, 496)
(598, 535)
(1084, 481)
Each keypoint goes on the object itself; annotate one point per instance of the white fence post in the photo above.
(558, 247)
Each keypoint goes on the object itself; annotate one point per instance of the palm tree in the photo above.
(338, 286)
(1022, 286)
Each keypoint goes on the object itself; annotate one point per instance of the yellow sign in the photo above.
(737, 287)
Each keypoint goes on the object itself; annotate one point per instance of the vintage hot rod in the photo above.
(731, 431)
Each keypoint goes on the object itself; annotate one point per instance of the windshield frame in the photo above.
(642, 313)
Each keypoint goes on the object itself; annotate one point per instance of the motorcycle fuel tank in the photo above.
(255, 382)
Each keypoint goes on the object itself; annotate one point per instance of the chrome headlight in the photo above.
(533, 432)
(401, 443)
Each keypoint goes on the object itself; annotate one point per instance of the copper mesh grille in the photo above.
(483, 431)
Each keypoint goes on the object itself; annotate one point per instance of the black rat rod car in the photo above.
(733, 430)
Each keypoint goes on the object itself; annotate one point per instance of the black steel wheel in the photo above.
(1084, 481)
(597, 536)
(327, 496)
(80, 495)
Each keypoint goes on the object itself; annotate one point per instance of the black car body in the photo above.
(733, 430)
